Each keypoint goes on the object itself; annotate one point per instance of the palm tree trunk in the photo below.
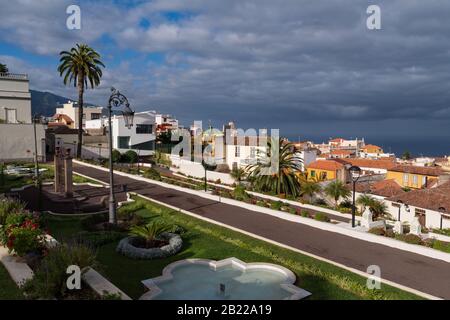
(80, 114)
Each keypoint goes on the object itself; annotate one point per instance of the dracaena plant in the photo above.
(150, 231)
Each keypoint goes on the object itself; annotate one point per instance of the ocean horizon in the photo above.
(417, 146)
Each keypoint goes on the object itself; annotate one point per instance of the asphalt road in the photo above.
(422, 273)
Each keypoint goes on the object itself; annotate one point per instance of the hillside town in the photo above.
(400, 181)
(150, 156)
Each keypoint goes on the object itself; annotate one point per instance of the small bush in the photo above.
(321, 217)
(304, 214)
(49, 279)
(389, 233)
(292, 210)
(116, 156)
(240, 194)
(130, 157)
(152, 173)
(377, 231)
(445, 232)
(276, 205)
(441, 245)
(409, 238)
(8, 207)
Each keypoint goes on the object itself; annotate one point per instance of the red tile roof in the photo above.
(437, 199)
(65, 117)
(329, 165)
(428, 171)
(369, 163)
(342, 152)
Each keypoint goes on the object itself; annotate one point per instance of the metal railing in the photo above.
(14, 76)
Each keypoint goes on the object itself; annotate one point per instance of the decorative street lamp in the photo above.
(355, 173)
(116, 100)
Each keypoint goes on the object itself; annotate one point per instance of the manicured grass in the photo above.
(8, 289)
(206, 240)
(12, 181)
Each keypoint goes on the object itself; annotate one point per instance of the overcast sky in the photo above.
(310, 68)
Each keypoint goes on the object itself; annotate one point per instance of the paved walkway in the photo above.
(409, 269)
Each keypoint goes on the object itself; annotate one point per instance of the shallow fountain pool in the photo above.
(229, 279)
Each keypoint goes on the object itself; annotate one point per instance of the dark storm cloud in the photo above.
(297, 65)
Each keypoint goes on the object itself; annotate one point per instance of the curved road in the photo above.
(422, 273)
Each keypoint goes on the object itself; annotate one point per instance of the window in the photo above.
(424, 180)
(405, 178)
(11, 115)
(323, 175)
(252, 152)
(123, 142)
(415, 179)
(144, 129)
(313, 174)
(95, 116)
(419, 211)
(147, 146)
(237, 151)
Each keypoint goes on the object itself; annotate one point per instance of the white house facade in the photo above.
(17, 139)
(140, 137)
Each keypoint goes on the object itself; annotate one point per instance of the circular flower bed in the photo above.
(127, 248)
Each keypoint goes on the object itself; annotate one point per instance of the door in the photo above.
(422, 219)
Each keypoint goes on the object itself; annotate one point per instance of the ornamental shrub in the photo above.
(130, 157)
(377, 231)
(116, 156)
(321, 217)
(276, 205)
(305, 214)
(239, 193)
(9, 207)
(409, 238)
(49, 279)
(441, 245)
(22, 234)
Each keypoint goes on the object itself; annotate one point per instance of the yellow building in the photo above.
(370, 148)
(414, 177)
(325, 170)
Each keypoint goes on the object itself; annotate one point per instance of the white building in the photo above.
(17, 140)
(71, 110)
(243, 151)
(15, 98)
(307, 156)
(139, 138)
(166, 120)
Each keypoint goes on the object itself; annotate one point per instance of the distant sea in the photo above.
(417, 146)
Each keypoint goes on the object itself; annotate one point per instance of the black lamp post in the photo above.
(355, 173)
(208, 165)
(116, 100)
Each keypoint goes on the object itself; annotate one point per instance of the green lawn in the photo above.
(8, 289)
(206, 240)
(12, 181)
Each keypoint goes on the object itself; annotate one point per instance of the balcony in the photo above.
(13, 76)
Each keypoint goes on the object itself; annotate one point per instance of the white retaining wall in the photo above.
(196, 169)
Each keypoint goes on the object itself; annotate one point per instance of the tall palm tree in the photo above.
(337, 190)
(238, 174)
(80, 65)
(3, 68)
(285, 180)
